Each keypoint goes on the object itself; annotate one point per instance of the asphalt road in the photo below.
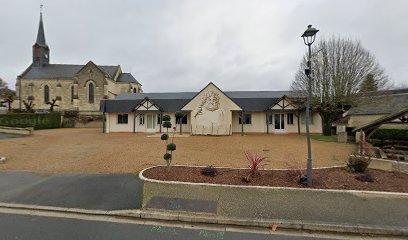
(50, 228)
(90, 191)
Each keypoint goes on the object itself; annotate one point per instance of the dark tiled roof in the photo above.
(127, 77)
(255, 104)
(386, 92)
(384, 104)
(60, 71)
(170, 95)
(250, 101)
(257, 94)
(118, 105)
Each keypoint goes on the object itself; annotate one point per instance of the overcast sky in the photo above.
(176, 45)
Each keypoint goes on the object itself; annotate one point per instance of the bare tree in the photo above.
(339, 66)
(8, 99)
(29, 105)
(52, 104)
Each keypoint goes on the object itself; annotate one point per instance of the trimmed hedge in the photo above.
(390, 134)
(35, 120)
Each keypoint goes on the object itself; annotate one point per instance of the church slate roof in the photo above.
(40, 35)
(127, 78)
(60, 71)
(249, 101)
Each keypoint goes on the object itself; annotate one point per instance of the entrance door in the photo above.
(279, 122)
(150, 123)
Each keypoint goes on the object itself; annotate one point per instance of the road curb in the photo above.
(149, 214)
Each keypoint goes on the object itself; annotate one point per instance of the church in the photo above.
(70, 86)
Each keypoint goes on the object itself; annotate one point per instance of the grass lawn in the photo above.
(322, 138)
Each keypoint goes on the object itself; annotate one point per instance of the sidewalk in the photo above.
(355, 214)
(120, 195)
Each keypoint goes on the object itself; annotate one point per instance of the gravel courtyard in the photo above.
(89, 150)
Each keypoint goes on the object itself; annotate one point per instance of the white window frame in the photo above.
(141, 119)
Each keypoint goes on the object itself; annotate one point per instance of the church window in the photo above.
(46, 94)
(134, 90)
(72, 94)
(91, 93)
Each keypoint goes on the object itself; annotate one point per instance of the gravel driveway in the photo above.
(90, 151)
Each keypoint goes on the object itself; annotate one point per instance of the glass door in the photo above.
(279, 122)
(150, 123)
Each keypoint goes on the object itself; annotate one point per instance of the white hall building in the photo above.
(209, 112)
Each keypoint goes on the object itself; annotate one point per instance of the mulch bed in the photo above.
(329, 178)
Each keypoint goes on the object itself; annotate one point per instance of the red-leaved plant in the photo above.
(255, 162)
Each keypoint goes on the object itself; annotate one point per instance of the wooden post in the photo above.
(181, 123)
(103, 122)
(134, 121)
(242, 123)
(267, 122)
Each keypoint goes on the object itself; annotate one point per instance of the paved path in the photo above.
(90, 191)
(7, 136)
(49, 228)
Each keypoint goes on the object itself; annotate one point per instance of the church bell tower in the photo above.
(41, 52)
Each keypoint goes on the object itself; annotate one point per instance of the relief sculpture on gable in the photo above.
(210, 116)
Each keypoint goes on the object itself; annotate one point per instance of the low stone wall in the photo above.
(292, 204)
(92, 124)
(389, 165)
(13, 130)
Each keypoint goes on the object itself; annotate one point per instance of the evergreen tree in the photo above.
(369, 84)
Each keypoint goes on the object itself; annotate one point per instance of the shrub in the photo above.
(167, 156)
(71, 114)
(167, 124)
(68, 123)
(255, 162)
(358, 163)
(37, 121)
(171, 147)
(209, 171)
(166, 118)
(164, 137)
(390, 134)
(179, 114)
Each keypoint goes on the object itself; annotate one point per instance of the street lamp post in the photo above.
(308, 38)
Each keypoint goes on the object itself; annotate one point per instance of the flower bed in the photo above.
(325, 178)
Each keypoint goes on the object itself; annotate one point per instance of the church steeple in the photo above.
(41, 52)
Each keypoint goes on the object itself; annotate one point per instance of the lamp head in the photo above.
(309, 35)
